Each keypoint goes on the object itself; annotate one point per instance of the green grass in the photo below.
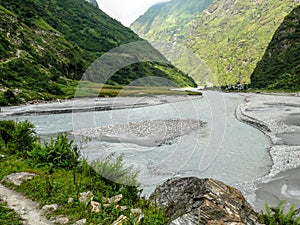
(62, 175)
(8, 216)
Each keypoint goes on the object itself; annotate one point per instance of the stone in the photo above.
(121, 207)
(95, 207)
(50, 208)
(70, 200)
(19, 178)
(85, 197)
(60, 219)
(119, 220)
(136, 211)
(80, 222)
(191, 200)
(114, 199)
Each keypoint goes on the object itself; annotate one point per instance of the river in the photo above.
(224, 148)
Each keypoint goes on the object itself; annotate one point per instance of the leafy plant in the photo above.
(277, 215)
(114, 169)
(59, 153)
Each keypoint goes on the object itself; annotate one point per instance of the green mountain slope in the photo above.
(280, 65)
(45, 44)
(167, 20)
(228, 37)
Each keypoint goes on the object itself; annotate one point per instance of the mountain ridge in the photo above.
(230, 37)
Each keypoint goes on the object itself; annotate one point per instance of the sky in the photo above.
(126, 11)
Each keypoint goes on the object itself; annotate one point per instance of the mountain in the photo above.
(226, 37)
(47, 44)
(280, 66)
(167, 19)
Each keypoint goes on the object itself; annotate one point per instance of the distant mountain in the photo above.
(45, 45)
(280, 65)
(227, 37)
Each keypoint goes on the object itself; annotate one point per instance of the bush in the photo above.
(59, 153)
(23, 138)
(277, 215)
(115, 170)
(18, 138)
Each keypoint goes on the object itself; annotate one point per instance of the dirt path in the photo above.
(27, 209)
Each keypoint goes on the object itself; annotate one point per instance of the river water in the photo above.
(225, 148)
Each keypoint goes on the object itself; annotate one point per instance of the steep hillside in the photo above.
(167, 20)
(47, 44)
(280, 65)
(229, 37)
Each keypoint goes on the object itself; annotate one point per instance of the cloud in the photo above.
(126, 11)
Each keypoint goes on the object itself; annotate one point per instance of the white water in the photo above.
(225, 149)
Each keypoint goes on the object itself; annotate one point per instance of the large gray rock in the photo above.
(19, 178)
(191, 200)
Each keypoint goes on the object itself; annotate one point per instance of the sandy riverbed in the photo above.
(278, 116)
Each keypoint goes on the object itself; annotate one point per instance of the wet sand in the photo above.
(278, 116)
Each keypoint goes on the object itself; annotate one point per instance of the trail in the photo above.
(26, 208)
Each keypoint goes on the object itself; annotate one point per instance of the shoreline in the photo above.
(277, 116)
(91, 104)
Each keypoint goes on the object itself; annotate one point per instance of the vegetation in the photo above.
(8, 216)
(278, 216)
(46, 45)
(228, 37)
(280, 66)
(63, 175)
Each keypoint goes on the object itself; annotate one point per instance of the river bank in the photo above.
(277, 116)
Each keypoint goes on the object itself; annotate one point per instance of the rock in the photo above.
(119, 220)
(48, 208)
(121, 207)
(114, 199)
(136, 211)
(191, 200)
(80, 222)
(138, 219)
(19, 178)
(85, 197)
(95, 207)
(60, 219)
(138, 215)
(70, 200)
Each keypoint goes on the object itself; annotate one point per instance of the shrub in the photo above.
(59, 153)
(114, 169)
(23, 138)
(277, 215)
(18, 138)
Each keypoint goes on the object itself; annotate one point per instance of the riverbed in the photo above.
(277, 115)
(222, 147)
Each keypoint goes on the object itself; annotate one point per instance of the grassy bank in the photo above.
(63, 175)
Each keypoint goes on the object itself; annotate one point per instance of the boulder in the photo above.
(19, 178)
(85, 197)
(191, 200)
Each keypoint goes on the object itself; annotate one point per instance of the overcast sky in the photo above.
(126, 11)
